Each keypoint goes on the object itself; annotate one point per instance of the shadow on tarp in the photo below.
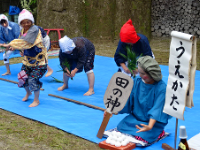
(77, 119)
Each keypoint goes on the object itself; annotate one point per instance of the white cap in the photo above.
(4, 17)
(66, 44)
(25, 14)
(182, 132)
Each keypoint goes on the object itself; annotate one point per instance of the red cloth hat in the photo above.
(128, 33)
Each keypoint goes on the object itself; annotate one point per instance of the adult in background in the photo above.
(79, 53)
(146, 119)
(8, 32)
(137, 42)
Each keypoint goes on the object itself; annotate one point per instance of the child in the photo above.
(79, 52)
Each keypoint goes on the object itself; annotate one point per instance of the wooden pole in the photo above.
(15, 82)
(77, 102)
(103, 125)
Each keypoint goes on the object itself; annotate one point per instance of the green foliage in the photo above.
(66, 64)
(56, 80)
(30, 5)
(131, 58)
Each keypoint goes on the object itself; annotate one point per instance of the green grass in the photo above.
(18, 133)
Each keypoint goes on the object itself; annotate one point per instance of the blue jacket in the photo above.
(11, 34)
(145, 102)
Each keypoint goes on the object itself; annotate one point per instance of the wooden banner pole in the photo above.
(15, 82)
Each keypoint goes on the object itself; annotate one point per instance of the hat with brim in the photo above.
(151, 67)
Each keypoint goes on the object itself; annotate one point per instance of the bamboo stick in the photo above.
(77, 102)
(15, 82)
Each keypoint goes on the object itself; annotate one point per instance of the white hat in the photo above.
(4, 17)
(25, 14)
(66, 44)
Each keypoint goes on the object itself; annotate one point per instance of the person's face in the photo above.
(26, 24)
(4, 23)
(147, 79)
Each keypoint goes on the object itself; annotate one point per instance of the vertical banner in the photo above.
(182, 67)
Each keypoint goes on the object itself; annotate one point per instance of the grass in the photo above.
(18, 133)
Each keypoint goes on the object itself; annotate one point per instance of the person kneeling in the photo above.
(146, 119)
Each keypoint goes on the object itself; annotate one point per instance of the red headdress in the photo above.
(128, 33)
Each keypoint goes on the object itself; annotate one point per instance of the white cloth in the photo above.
(66, 44)
(46, 42)
(4, 17)
(25, 14)
(6, 56)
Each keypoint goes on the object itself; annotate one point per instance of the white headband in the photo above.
(66, 44)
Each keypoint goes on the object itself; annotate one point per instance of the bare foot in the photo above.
(50, 71)
(35, 103)
(89, 92)
(62, 88)
(7, 73)
(26, 97)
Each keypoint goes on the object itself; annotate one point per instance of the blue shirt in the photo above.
(7, 35)
(145, 102)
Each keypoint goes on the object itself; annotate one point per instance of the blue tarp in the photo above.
(77, 119)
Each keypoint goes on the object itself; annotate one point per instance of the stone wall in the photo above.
(94, 19)
(178, 15)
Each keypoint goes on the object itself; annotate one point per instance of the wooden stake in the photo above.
(15, 82)
(103, 125)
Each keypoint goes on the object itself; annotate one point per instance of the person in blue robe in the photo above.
(8, 32)
(146, 119)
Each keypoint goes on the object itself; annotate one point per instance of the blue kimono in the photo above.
(140, 47)
(145, 102)
(7, 35)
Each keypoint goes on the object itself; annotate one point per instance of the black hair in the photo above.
(3, 21)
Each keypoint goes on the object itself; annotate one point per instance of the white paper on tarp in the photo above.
(118, 92)
(180, 61)
(194, 142)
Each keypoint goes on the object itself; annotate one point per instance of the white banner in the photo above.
(182, 66)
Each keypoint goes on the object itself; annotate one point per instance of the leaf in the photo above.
(131, 59)
(59, 81)
(65, 64)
